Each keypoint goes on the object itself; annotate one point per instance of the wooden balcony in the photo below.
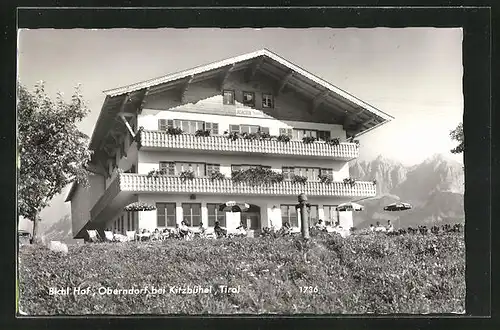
(161, 140)
(126, 184)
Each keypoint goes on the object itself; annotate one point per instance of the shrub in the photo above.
(202, 132)
(299, 179)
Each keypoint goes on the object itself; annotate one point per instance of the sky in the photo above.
(413, 74)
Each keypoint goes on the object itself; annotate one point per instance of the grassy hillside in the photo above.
(360, 274)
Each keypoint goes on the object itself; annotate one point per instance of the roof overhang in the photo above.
(361, 115)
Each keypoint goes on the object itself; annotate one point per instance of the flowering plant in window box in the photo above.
(308, 139)
(333, 141)
(374, 182)
(216, 175)
(156, 173)
(299, 179)
(174, 131)
(202, 132)
(324, 178)
(284, 138)
(187, 175)
(350, 181)
(257, 176)
(233, 136)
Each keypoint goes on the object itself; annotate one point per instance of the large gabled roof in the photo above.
(270, 64)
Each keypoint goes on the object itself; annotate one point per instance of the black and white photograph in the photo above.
(255, 171)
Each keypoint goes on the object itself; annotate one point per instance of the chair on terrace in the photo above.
(109, 236)
(93, 235)
(131, 235)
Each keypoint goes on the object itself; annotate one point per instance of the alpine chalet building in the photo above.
(179, 141)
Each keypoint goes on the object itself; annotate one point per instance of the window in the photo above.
(165, 215)
(264, 129)
(249, 99)
(267, 101)
(331, 214)
(228, 97)
(168, 167)
(213, 127)
(215, 215)
(287, 173)
(197, 168)
(313, 214)
(327, 171)
(289, 214)
(299, 134)
(323, 135)
(189, 126)
(191, 214)
(129, 221)
(122, 224)
(311, 173)
(286, 131)
(211, 168)
(234, 128)
(249, 129)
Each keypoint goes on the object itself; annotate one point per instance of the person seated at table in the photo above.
(201, 228)
(379, 227)
(184, 229)
(390, 227)
(156, 234)
(372, 228)
(219, 232)
(241, 230)
(320, 225)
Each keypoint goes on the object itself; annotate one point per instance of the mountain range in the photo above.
(435, 189)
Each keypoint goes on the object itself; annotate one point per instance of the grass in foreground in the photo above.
(359, 274)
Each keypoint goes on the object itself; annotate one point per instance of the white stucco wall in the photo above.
(83, 200)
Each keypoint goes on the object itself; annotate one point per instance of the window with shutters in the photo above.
(286, 131)
(189, 126)
(215, 215)
(267, 101)
(228, 97)
(191, 214)
(165, 215)
(331, 214)
(249, 99)
(234, 128)
(213, 127)
(211, 168)
(168, 168)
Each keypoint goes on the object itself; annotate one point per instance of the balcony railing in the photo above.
(143, 183)
(129, 183)
(158, 139)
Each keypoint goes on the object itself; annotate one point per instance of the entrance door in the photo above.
(251, 217)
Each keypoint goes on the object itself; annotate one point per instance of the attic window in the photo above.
(228, 97)
(267, 101)
(249, 98)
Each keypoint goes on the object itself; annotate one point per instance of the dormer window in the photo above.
(228, 97)
(267, 101)
(249, 99)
